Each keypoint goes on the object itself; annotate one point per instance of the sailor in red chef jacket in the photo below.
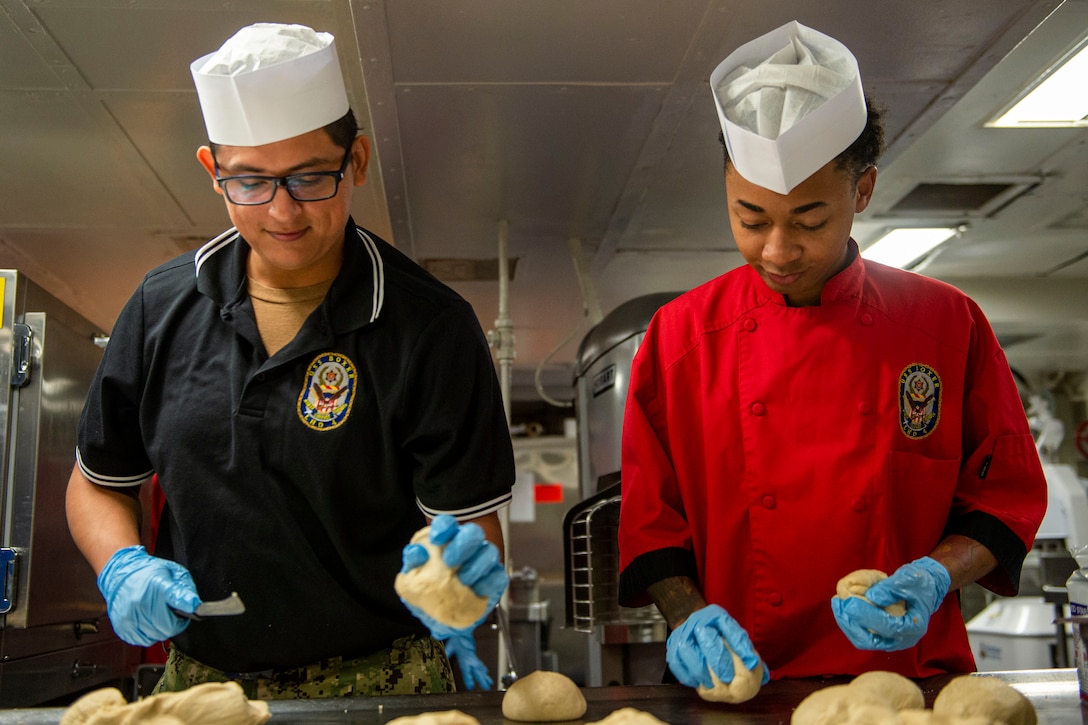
(813, 413)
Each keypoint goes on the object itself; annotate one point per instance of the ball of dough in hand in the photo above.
(434, 588)
(745, 684)
(629, 716)
(856, 583)
(902, 693)
(444, 717)
(543, 697)
(982, 695)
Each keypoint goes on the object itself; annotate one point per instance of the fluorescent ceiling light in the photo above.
(1056, 99)
(901, 247)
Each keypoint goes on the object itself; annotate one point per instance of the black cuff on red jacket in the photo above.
(650, 568)
(1002, 542)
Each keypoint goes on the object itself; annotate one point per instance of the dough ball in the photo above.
(629, 716)
(981, 695)
(95, 701)
(900, 691)
(839, 704)
(919, 717)
(445, 717)
(543, 697)
(870, 714)
(210, 703)
(435, 588)
(745, 684)
(928, 717)
(855, 584)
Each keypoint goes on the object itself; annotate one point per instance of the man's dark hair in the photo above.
(342, 131)
(858, 156)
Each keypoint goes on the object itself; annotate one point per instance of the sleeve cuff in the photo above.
(649, 568)
(102, 479)
(470, 512)
(1002, 542)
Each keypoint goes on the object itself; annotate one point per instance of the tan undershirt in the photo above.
(281, 312)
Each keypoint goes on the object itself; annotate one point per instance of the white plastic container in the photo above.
(1016, 633)
(1077, 586)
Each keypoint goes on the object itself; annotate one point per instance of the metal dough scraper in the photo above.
(218, 608)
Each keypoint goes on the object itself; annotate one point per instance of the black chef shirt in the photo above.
(296, 480)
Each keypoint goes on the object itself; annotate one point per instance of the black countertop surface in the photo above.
(1054, 693)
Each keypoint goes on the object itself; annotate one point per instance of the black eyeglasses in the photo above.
(308, 186)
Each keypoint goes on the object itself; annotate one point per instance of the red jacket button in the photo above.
(758, 409)
(769, 502)
(866, 319)
(774, 598)
(750, 325)
(864, 408)
(859, 504)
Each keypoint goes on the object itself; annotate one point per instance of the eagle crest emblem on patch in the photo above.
(329, 390)
(919, 400)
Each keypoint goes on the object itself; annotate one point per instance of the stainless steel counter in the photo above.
(1053, 692)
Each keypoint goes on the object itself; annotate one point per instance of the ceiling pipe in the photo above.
(503, 342)
(503, 339)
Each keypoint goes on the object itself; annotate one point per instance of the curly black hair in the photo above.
(858, 156)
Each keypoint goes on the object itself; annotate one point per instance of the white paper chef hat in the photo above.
(269, 82)
(788, 102)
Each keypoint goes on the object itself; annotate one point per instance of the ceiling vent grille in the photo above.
(954, 199)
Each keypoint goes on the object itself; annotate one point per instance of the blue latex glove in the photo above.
(474, 672)
(141, 592)
(921, 584)
(478, 567)
(701, 642)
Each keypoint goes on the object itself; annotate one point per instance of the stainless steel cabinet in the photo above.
(54, 636)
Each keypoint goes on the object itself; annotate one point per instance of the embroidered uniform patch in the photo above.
(919, 400)
(328, 392)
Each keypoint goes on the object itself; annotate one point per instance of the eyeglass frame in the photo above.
(278, 181)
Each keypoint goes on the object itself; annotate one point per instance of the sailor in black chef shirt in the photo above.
(307, 396)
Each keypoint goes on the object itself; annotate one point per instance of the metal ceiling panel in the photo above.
(650, 272)
(1061, 349)
(1076, 219)
(981, 255)
(21, 66)
(69, 173)
(1077, 270)
(681, 201)
(559, 41)
(551, 160)
(564, 117)
(149, 45)
(91, 271)
(167, 129)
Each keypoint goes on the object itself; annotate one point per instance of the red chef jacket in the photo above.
(770, 450)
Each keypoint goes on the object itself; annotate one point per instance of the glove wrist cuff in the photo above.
(119, 559)
(939, 573)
